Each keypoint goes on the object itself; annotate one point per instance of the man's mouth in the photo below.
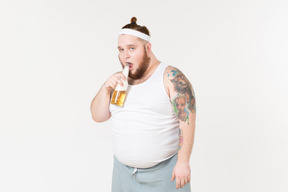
(130, 65)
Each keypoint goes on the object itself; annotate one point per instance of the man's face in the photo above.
(132, 52)
(180, 103)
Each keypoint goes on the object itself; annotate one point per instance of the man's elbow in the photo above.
(99, 119)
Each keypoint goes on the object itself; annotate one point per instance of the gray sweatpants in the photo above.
(154, 179)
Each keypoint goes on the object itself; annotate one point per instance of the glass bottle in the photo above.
(119, 94)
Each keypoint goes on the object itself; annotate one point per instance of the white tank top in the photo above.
(145, 130)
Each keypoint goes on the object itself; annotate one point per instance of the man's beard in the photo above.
(142, 68)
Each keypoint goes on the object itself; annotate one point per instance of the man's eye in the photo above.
(121, 50)
(132, 48)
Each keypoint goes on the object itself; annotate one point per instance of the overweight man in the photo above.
(153, 132)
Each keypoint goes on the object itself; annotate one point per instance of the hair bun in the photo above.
(133, 20)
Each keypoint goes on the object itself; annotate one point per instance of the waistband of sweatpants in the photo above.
(155, 167)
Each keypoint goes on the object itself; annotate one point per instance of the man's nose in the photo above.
(126, 54)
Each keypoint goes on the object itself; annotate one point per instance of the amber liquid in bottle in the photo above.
(118, 98)
(119, 94)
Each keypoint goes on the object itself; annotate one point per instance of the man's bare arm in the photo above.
(100, 104)
(183, 102)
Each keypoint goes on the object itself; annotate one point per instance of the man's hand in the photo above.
(182, 173)
(113, 80)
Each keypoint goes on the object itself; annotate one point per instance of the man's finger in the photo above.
(177, 183)
(173, 176)
(120, 82)
(185, 181)
(181, 183)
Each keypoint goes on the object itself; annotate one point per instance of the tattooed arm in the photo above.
(182, 99)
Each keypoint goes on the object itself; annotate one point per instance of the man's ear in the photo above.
(148, 47)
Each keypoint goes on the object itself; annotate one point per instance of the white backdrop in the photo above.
(55, 55)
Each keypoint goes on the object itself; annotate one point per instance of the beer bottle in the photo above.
(119, 94)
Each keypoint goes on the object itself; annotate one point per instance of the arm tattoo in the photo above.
(185, 99)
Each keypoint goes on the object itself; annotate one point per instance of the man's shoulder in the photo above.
(169, 71)
(169, 68)
(169, 74)
(175, 80)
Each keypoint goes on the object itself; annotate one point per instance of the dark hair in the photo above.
(133, 25)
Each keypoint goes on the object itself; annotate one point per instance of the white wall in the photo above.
(55, 55)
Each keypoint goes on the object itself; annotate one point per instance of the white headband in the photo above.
(135, 33)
